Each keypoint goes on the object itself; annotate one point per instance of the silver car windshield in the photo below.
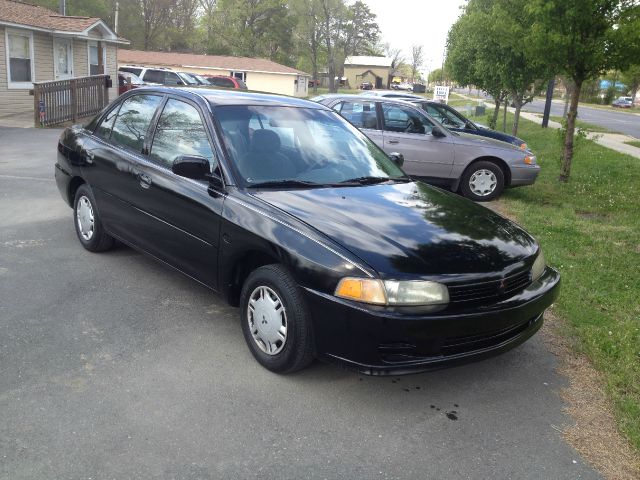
(304, 145)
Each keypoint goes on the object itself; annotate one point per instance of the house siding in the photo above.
(18, 101)
(14, 101)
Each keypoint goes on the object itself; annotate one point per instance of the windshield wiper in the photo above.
(285, 183)
(368, 180)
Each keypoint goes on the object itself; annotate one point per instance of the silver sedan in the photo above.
(480, 168)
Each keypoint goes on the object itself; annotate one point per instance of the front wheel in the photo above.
(482, 181)
(275, 320)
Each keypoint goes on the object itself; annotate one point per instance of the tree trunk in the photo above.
(567, 154)
(496, 112)
(566, 102)
(516, 119)
(504, 114)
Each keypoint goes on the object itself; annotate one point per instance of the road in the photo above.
(611, 120)
(112, 366)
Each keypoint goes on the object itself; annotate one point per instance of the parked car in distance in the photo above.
(366, 86)
(157, 76)
(623, 102)
(226, 82)
(478, 167)
(128, 81)
(405, 86)
(455, 121)
(293, 215)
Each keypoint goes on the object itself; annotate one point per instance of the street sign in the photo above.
(441, 94)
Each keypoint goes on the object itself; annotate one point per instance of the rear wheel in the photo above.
(482, 181)
(275, 320)
(87, 222)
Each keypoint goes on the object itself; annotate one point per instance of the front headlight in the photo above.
(538, 267)
(392, 292)
(530, 159)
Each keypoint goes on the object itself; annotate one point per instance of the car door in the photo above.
(363, 115)
(185, 213)
(408, 131)
(112, 157)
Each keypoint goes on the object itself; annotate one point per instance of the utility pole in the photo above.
(115, 20)
(62, 7)
(547, 105)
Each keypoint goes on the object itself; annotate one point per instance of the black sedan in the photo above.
(292, 214)
(454, 120)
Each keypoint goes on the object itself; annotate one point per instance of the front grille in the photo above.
(496, 289)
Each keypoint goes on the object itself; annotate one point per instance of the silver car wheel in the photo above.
(267, 319)
(483, 182)
(85, 218)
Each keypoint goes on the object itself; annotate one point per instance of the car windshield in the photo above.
(187, 78)
(300, 147)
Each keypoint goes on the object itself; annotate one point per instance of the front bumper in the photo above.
(377, 341)
(524, 175)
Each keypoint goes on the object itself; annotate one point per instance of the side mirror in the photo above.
(437, 132)
(193, 167)
(397, 158)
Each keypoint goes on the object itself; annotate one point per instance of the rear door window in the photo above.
(133, 120)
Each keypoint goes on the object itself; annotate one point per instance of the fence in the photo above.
(69, 100)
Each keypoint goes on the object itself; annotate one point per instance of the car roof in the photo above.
(216, 97)
(360, 98)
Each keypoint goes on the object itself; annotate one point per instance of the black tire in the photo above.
(480, 168)
(99, 240)
(296, 351)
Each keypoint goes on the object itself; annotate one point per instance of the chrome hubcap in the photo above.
(267, 319)
(84, 217)
(483, 182)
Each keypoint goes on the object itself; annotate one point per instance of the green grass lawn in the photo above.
(589, 229)
(635, 143)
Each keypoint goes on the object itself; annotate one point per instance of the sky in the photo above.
(404, 23)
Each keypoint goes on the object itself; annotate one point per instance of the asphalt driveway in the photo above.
(112, 366)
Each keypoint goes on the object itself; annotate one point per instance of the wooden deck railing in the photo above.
(69, 100)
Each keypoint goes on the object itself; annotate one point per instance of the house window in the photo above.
(93, 59)
(19, 59)
(240, 75)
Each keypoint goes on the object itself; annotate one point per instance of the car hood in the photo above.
(471, 140)
(409, 230)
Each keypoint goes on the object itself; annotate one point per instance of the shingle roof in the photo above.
(204, 61)
(21, 13)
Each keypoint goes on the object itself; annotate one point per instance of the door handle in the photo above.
(145, 180)
(393, 142)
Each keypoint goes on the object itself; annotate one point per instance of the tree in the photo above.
(417, 59)
(473, 58)
(583, 38)
(360, 31)
(487, 47)
(631, 78)
(309, 32)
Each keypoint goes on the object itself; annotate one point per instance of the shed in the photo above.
(358, 69)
